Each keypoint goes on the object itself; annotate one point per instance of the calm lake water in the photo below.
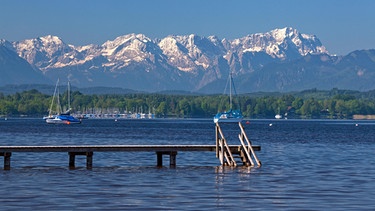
(307, 165)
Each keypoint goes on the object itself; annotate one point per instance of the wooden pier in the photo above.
(224, 152)
(88, 151)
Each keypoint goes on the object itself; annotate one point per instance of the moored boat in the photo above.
(232, 115)
(63, 119)
(59, 117)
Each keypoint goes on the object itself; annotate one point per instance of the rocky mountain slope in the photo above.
(279, 60)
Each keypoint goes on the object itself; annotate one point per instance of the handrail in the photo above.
(246, 151)
(232, 162)
(227, 152)
(249, 145)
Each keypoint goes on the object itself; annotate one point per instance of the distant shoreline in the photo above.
(359, 116)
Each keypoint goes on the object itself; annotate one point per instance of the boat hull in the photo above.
(231, 116)
(227, 120)
(63, 120)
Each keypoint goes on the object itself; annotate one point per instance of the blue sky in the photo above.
(341, 25)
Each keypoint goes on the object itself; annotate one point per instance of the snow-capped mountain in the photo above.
(286, 43)
(187, 62)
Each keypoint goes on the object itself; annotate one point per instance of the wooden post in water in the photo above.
(89, 156)
(221, 154)
(72, 157)
(172, 158)
(217, 139)
(159, 159)
(6, 159)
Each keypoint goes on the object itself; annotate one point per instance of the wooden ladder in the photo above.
(225, 155)
(247, 151)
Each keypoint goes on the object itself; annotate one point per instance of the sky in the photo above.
(341, 25)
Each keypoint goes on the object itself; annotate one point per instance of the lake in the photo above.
(306, 165)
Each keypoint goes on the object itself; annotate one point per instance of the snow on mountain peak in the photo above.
(177, 53)
(51, 39)
(278, 42)
(281, 34)
(130, 42)
(188, 53)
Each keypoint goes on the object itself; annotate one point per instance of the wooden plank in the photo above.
(116, 148)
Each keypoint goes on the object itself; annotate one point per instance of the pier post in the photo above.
(221, 152)
(72, 157)
(217, 139)
(172, 159)
(89, 156)
(6, 159)
(159, 159)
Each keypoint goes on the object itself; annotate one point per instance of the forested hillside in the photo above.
(305, 104)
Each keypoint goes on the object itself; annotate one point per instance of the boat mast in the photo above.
(68, 95)
(58, 105)
(53, 98)
(230, 90)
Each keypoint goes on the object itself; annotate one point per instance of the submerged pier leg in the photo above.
(159, 159)
(72, 157)
(6, 159)
(172, 158)
(89, 156)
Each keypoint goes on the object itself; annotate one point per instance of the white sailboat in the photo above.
(57, 116)
(233, 115)
(278, 115)
(51, 112)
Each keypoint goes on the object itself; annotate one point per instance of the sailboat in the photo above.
(278, 115)
(51, 112)
(56, 116)
(233, 115)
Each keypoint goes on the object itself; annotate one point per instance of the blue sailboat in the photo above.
(232, 115)
(58, 117)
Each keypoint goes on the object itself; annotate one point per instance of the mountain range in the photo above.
(280, 60)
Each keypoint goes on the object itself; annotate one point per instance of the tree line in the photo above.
(33, 103)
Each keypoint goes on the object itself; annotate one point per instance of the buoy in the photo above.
(356, 125)
(270, 124)
(247, 122)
